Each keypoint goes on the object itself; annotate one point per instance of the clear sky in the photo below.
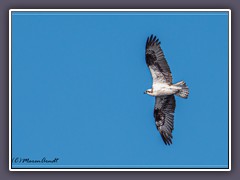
(78, 81)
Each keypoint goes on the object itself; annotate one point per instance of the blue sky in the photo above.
(78, 81)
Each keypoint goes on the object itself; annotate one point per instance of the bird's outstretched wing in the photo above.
(164, 116)
(156, 62)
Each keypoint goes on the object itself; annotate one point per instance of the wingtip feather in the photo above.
(151, 40)
(167, 138)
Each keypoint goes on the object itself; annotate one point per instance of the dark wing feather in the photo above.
(156, 61)
(164, 116)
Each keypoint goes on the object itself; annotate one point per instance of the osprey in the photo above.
(163, 89)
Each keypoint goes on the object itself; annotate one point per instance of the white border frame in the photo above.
(118, 10)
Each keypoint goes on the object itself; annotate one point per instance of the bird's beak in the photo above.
(145, 92)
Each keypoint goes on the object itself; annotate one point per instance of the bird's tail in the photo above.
(184, 91)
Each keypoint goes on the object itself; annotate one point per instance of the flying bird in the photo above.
(163, 89)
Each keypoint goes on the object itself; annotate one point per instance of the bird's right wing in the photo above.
(156, 62)
(164, 116)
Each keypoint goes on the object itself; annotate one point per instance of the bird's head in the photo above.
(149, 92)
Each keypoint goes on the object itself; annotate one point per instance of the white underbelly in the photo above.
(164, 89)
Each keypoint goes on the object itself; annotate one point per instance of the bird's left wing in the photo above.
(156, 62)
(164, 116)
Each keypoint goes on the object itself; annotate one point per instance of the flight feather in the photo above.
(156, 61)
(164, 116)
